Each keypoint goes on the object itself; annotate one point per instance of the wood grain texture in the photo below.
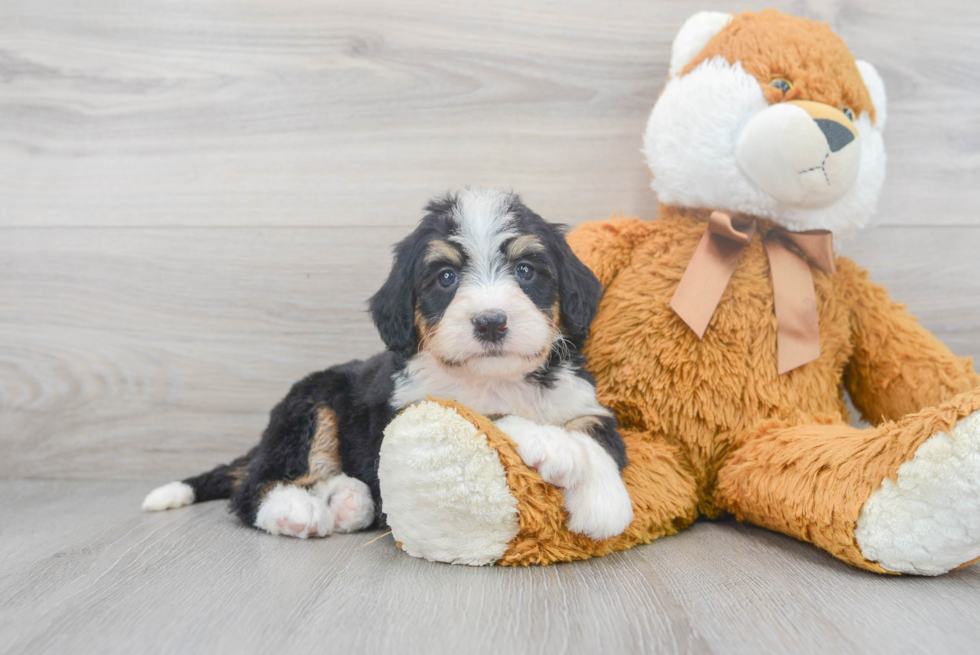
(312, 112)
(195, 581)
(127, 353)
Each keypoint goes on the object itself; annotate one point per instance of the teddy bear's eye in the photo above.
(847, 112)
(782, 84)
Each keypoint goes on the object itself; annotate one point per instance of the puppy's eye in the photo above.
(524, 272)
(782, 84)
(847, 112)
(447, 278)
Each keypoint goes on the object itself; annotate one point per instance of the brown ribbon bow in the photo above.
(714, 262)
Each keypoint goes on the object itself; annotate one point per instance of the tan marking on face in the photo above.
(324, 459)
(523, 246)
(583, 424)
(440, 250)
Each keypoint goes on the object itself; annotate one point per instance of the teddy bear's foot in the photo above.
(927, 521)
(445, 491)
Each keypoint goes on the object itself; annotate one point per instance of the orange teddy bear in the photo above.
(727, 334)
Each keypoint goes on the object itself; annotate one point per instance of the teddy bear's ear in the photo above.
(693, 36)
(876, 87)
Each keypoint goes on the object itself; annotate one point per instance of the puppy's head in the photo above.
(486, 286)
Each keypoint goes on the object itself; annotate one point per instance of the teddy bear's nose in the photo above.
(837, 135)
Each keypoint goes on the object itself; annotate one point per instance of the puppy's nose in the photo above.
(837, 135)
(490, 325)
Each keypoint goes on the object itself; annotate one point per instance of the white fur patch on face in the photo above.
(783, 151)
(568, 398)
(596, 499)
(530, 333)
(927, 521)
(294, 512)
(690, 145)
(445, 490)
(487, 283)
(169, 496)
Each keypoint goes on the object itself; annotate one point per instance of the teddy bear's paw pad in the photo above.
(446, 496)
(293, 512)
(350, 502)
(927, 521)
(169, 496)
(561, 458)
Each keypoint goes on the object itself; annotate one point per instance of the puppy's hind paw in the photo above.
(350, 502)
(293, 512)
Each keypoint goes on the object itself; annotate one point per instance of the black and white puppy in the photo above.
(485, 304)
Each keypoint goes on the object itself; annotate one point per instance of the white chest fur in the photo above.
(569, 397)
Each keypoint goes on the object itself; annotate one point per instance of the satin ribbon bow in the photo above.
(795, 300)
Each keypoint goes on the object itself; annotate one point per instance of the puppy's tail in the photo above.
(217, 483)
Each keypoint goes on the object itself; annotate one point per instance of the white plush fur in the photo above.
(876, 87)
(294, 512)
(784, 152)
(349, 501)
(596, 499)
(445, 490)
(169, 496)
(568, 398)
(693, 36)
(927, 521)
(690, 144)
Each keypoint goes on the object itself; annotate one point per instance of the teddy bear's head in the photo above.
(769, 115)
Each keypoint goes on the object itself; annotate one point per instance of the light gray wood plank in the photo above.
(127, 353)
(195, 581)
(303, 112)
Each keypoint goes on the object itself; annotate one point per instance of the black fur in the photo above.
(359, 392)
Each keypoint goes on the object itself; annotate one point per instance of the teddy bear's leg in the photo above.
(455, 490)
(902, 497)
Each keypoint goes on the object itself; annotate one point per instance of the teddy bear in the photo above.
(726, 336)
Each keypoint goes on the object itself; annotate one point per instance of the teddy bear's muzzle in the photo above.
(804, 154)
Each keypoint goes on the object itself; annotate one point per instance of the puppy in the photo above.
(486, 305)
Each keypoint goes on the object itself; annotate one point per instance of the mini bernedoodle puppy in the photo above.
(486, 305)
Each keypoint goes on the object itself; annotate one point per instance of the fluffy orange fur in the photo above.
(709, 425)
(772, 45)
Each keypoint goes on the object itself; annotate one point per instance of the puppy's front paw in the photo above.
(350, 502)
(600, 508)
(292, 511)
(596, 499)
(560, 459)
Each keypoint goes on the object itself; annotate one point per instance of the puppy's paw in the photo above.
(600, 508)
(350, 502)
(292, 511)
(169, 496)
(556, 454)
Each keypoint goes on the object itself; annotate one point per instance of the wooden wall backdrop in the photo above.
(197, 196)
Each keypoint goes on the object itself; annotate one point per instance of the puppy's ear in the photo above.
(393, 306)
(579, 288)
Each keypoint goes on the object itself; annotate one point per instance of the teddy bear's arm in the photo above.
(898, 367)
(606, 246)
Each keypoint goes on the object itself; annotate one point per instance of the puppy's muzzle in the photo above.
(804, 154)
(490, 326)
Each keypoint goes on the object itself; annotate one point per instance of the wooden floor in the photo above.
(198, 196)
(84, 573)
